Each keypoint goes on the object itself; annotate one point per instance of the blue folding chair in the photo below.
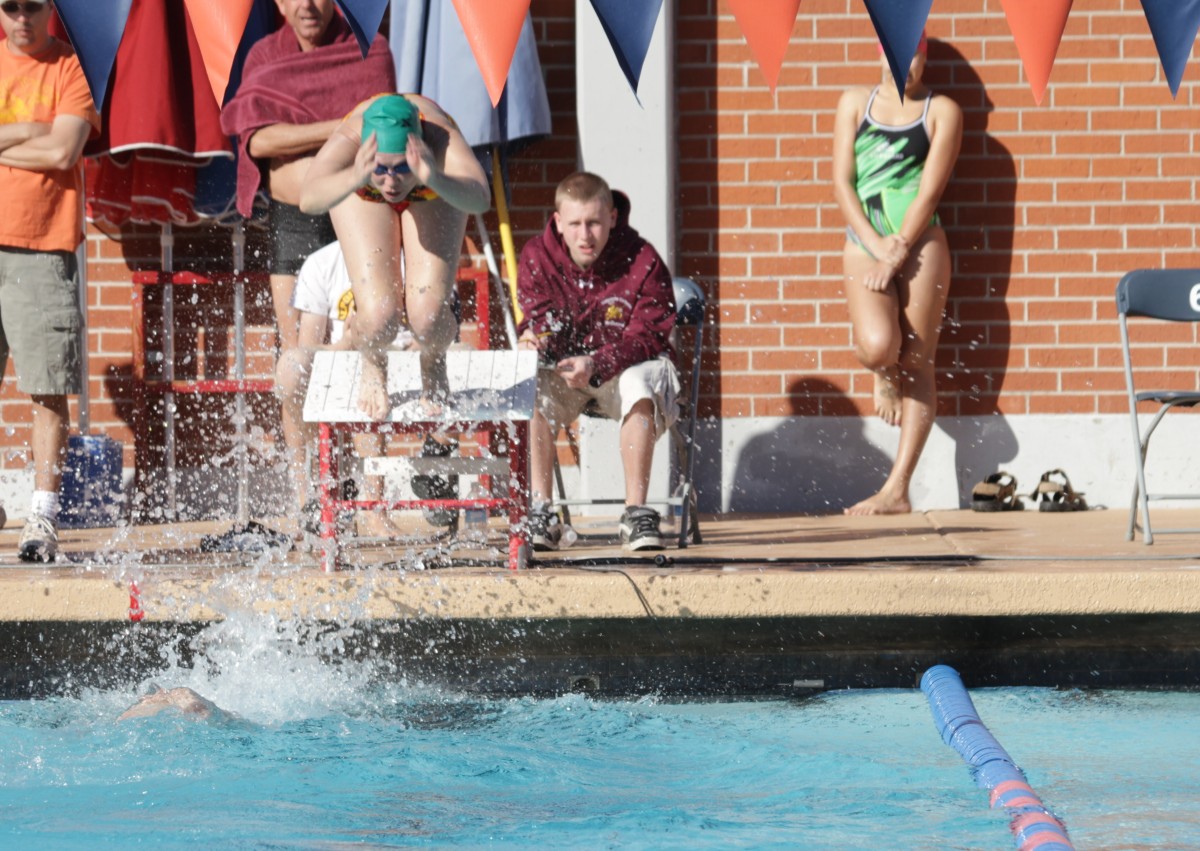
(1171, 295)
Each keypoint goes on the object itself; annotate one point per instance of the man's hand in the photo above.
(530, 341)
(577, 371)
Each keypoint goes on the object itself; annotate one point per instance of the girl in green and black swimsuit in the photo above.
(892, 159)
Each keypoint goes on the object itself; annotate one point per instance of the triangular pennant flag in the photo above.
(1037, 27)
(629, 25)
(364, 17)
(899, 24)
(218, 28)
(95, 28)
(492, 28)
(768, 29)
(1173, 23)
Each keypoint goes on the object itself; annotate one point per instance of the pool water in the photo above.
(324, 755)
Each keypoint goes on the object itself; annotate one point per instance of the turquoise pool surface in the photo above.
(322, 755)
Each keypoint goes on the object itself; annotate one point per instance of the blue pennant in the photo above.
(629, 25)
(1173, 23)
(95, 28)
(364, 17)
(899, 24)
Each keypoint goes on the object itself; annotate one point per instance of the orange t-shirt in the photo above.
(43, 210)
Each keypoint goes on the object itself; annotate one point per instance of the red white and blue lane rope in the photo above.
(1033, 826)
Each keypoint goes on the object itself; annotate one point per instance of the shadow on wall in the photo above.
(978, 210)
(817, 462)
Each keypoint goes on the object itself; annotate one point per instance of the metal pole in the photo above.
(85, 416)
(239, 372)
(510, 327)
(167, 244)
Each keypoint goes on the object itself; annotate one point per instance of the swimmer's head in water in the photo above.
(391, 118)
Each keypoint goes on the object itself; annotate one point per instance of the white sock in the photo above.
(46, 504)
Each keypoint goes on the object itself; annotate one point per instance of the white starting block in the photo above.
(490, 391)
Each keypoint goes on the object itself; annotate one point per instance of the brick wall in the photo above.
(1047, 207)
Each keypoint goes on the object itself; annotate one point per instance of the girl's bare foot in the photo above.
(372, 391)
(880, 503)
(887, 395)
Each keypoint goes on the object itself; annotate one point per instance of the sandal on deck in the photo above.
(998, 492)
(1054, 495)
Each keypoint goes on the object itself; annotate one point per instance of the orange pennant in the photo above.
(218, 28)
(768, 29)
(1037, 27)
(493, 28)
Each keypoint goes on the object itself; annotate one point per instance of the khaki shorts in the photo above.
(656, 380)
(40, 320)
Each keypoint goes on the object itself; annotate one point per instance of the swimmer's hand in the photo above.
(577, 371)
(878, 277)
(421, 161)
(364, 161)
(892, 249)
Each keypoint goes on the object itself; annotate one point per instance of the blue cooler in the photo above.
(91, 483)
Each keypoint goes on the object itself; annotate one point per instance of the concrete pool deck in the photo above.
(834, 600)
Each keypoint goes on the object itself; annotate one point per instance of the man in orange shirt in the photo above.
(46, 116)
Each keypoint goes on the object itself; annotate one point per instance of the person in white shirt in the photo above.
(326, 307)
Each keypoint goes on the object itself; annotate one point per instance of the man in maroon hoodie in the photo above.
(599, 307)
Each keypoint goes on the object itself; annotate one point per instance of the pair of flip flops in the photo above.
(1054, 493)
(998, 492)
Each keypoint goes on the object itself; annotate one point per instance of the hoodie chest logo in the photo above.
(615, 311)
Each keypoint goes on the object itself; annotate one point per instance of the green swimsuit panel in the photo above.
(889, 161)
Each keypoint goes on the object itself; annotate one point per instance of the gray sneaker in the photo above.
(639, 529)
(545, 530)
(39, 540)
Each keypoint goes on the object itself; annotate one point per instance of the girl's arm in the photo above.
(340, 167)
(459, 179)
(945, 140)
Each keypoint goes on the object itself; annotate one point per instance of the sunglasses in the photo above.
(393, 170)
(12, 7)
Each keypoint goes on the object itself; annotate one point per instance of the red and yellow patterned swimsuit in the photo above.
(418, 193)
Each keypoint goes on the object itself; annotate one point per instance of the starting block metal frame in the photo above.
(490, 392)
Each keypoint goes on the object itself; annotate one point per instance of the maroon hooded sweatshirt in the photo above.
(620, 310)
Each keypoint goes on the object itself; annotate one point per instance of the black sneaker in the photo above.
(545, 530)
(437, 487)
(310, 517)
(639, 529)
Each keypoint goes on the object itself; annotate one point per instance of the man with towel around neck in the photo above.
(297, 85)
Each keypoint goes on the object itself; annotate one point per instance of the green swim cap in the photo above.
(391, 118)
